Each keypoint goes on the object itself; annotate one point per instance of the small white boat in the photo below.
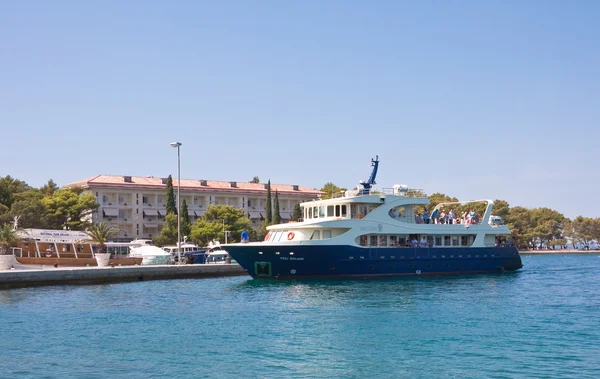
(151, 255)
(217, 255)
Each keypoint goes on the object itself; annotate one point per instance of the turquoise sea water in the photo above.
(541, 322)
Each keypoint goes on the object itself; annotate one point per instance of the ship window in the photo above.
(401, 241)
(326, 234)
(397, 212)
(322, 211)
(393, 240)
(446, 240)
(373, 240)
(438, 241)
(276, 236)
(344, 210)
(316, 235)
(337, 211)
(361, 211)
(454, 240)
(363, 240)
(316, 212)
(310, 214)
(382, 240)
(463, 240)
(330, 210)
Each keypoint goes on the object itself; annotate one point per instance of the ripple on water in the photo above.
(539, 322)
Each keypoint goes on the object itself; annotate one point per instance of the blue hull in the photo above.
(301, 261)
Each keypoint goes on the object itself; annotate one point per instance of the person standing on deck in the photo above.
(244, 236)
(426, 216)
(451, 216)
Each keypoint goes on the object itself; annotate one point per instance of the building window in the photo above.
(144, 200)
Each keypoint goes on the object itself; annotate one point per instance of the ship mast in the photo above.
(367, 185)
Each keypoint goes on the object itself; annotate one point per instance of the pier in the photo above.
(27, 276)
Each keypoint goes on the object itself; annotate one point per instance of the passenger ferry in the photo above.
(370, 233)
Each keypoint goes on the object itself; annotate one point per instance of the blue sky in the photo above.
(476, 99)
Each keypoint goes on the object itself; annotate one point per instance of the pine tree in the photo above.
(276, 215)
(297, 215)
(171, 207)
(268, 211)
(186, 224)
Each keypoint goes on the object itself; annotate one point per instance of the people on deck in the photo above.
(435, 216)
(426, 216)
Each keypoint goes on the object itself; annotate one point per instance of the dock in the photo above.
(28, 276)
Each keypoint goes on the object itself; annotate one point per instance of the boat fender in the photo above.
(291, 236)
(267, 236)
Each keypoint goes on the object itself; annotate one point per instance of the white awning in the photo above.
(253, 214)
(110, 212)
(150, 225)
(161, 212)
(199, 213)
(150, 212)
(285, 215)
(191, 213)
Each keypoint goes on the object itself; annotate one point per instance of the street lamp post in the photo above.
(178, 145)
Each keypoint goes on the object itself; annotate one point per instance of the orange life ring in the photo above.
(291, 236)
(267, 236)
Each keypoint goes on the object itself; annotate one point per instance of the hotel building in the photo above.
(136, 205)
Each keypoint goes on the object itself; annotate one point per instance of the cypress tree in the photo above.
(186, 224)
(171, 205)
(297, 215)
(276, 215)
(269, 217)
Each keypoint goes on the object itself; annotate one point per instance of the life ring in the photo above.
(290, 236)
(267, 236)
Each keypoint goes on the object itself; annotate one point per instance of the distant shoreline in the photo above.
(559, 252)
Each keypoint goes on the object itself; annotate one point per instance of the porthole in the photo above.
(361, 257)
(291, 253)
(382, 257)
(350, 257)
(393, 256)
(412, 266)
(260, 252)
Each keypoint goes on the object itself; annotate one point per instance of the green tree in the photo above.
(580, 230)
(276, 214)
(548, 225)
(268, 208)
(501, 208)
(171, 206)
(30, 209)
(297, 213)
(4, 214)
(216, 220)
(186, 223)
(168, 233)
(69, 208)
(330, 190)
(9, 187)
(255, 180)
(519, 221)
(100, 234)
(49, 188)
(437, 198)
(8, 238)
(262, 230)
